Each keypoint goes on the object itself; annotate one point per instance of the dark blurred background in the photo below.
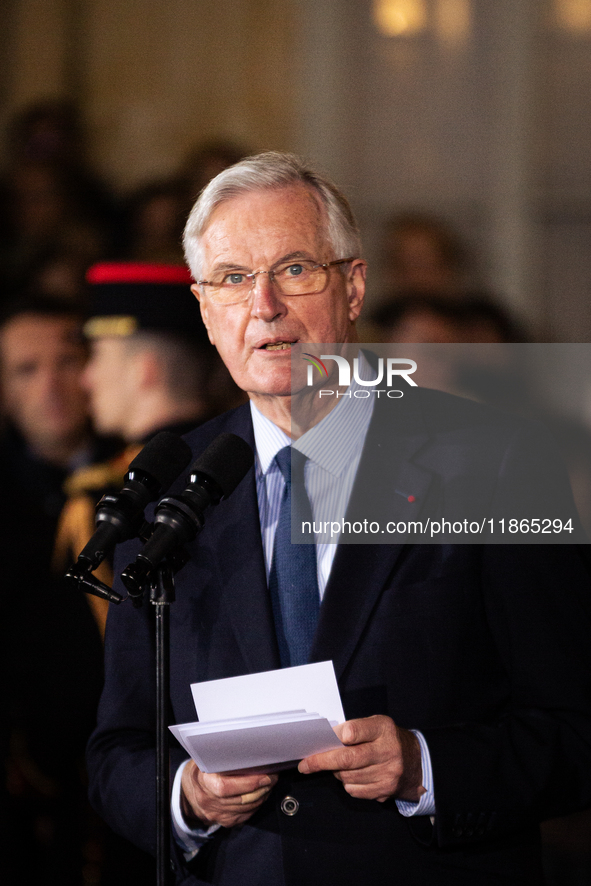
(475, 112)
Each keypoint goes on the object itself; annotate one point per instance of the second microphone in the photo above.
(213, 476)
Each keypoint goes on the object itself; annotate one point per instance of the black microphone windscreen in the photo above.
(163, 458)
(226, 461)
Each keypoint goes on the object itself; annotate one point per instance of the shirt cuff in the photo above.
(189, 839)
(426, 805)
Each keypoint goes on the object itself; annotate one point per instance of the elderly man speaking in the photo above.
(463, 669)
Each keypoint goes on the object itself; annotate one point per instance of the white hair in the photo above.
(270, 171)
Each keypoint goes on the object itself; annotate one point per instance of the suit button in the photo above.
(289, 805)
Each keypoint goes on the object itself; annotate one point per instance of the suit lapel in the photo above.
(360, 570)
(241, 566)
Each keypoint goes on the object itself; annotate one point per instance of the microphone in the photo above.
(119, 517)
(178, 519)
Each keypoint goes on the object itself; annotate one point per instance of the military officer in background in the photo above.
(151, 369)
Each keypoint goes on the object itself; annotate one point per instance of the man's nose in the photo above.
(50, 381)
(266, 301)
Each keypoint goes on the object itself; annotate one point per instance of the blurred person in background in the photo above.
(50, 199)
(422, 254)
(491, 375)
(44, 213)
(52, 648)
(60, 273)
(431, 317)
(204, 162)
(419, 318)
(151, 361)
(423, 320)
(151, 369)
(51, 131)
(155, 217)
(48, 433)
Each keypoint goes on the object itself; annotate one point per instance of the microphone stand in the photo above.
(161, 596)
(160, 585)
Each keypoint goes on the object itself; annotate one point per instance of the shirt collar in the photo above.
(335, 441)
(268, 438)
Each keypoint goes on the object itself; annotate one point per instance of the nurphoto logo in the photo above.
(390, 371)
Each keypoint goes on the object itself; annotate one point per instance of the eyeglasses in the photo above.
(291, 278)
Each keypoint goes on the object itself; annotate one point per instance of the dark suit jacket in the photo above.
(483, 648)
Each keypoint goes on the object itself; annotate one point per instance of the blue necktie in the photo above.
(293, 580)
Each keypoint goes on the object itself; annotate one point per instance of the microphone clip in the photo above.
(140, 577)
(80, 578)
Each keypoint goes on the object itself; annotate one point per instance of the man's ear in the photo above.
(356, 288)
(203, 306)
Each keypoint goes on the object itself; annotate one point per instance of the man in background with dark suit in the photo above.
(460, 736)
(51, 648)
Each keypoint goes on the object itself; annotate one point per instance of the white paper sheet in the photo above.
(311, 687)
(263, 721)
(259, 743)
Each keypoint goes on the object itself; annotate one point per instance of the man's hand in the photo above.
(227, 800)
(381, 760)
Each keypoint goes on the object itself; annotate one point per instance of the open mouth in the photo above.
(277, 346)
